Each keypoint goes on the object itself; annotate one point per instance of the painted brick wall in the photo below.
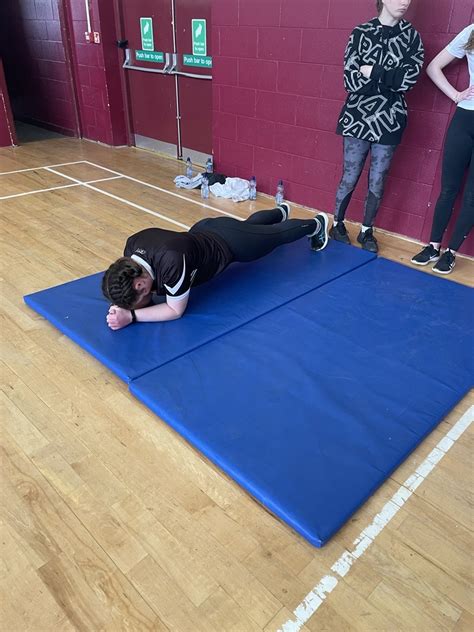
(36, 36)
(7, 128)
(35, 66)
(98, 73)
(278, 91)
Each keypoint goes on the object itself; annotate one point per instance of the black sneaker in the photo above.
(319, 241)
(367, 240)
(339, 233)
(446, 263)
(426, 256)
(285, 208)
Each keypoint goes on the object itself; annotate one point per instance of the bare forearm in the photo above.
(438, 77)
(156, 313)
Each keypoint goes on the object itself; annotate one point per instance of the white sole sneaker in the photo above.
(442, 271)
(323, 218)
(425, 263)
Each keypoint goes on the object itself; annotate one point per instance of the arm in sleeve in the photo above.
(176, 275)
(404, 77)
(354, 81)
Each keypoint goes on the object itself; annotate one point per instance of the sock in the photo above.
(318, 225)
(435, 245)
(364, 228)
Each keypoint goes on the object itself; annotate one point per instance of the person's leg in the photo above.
(380, 160)
(355, 154)
(462, 228)
(249, 242)
(465, 221)
(457, 153)
(272, 216)
(456, 156)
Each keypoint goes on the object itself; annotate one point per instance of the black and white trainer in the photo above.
(320, 239)
(429, 254)
(446, 263)
(339, 233)
(367, 240)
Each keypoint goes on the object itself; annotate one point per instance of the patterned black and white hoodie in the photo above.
(375, 109)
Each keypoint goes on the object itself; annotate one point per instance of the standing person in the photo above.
(383, 60)
(169, 263)
(457, 156)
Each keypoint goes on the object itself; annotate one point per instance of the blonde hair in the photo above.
(470, 42)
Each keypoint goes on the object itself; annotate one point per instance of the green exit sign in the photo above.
(146, 31)
(198, 28)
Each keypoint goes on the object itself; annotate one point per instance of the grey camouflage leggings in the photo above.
(355, 154)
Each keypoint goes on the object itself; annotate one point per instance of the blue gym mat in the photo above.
(243, 292)
(311, 406)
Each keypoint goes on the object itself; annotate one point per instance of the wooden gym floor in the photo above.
(111, 521)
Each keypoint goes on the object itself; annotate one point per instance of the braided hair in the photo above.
(117, 283)
(379, 6)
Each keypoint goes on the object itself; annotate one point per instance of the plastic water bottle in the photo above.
(204, 188)
(189, 168)
(280, 194)
(209, 165)
(253, 188)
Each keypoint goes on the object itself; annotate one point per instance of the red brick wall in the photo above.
(98, 73)
(7, 128)
(278, 90)
(35, 67)
(38, 37)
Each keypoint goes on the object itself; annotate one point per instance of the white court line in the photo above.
(63, 164)
(315, 598)
(61, 186)
(153, 186)
(119, 199)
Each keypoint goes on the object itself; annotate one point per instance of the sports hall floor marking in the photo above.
(63, 164)
(315, 598)
(60, 186)
(154, 186)
(119, 199)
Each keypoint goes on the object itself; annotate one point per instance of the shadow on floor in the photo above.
(27, 133)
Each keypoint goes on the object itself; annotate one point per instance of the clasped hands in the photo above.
(118, 318)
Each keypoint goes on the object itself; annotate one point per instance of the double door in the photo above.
(168, 70)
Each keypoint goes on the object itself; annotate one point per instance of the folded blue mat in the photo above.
(241, 293)
(311, 406)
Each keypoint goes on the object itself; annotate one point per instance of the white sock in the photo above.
(435, 245)
(364, 228)
(318, 224)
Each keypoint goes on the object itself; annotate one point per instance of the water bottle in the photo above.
(253, 188)
(209, 165)
(204, 188)
(280, 194)
(189, 168)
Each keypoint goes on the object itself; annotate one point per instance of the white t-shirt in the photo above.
(457, 48)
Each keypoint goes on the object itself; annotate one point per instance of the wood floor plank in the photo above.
(111, 521)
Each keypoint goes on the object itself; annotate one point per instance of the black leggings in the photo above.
(458, 155)
(355, 155)
(259, 234)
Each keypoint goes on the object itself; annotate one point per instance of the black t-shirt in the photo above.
(176, 261)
